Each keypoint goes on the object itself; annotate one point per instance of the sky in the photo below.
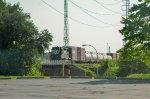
(103, 16)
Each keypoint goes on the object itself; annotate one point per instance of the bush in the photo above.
(103, 67)
(9, 62)
(35, 70)
(112, 71)
(12, 62)
(132, 67)
(109, 68)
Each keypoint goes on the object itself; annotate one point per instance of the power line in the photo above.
(75, 20)
(92, 15)
(117, 2)
(104, 6)
(68, 17)
(52, 7)
(98, 13)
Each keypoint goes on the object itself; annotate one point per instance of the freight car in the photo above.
(76, 54)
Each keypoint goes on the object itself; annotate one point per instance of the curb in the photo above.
(122, 78)
(72, 77)
(77, 77)
(30, 78)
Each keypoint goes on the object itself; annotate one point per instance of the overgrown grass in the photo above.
(24, 77)
(87, 70)
(5, 77)
(109, 68)
(112, 71)
(139, 76)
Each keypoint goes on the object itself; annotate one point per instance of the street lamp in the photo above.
(96, 54)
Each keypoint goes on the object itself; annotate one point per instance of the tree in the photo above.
(137, 34)
(21, 43)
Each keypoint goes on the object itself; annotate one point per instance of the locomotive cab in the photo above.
(60, 53)
(65, 53)
(56, 53)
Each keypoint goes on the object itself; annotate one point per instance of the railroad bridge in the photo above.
(63, 68)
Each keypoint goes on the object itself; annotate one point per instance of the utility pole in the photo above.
(97, 71)
(66, 31)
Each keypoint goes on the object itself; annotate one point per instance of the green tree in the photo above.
(137, 34)
(21, 43)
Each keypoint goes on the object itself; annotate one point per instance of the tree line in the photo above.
(21, 43)
(135, 55)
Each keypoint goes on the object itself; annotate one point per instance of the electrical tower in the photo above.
(126, 7)
(108, 49)
(66, 31)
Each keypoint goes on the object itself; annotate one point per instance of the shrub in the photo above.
(109, 68)
(112, 71)
(132, 67)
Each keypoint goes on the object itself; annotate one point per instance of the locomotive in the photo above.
(76, 54)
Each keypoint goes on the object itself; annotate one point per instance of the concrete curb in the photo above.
(30, 78)
(77, 77)
(73, 77)
(123, 78)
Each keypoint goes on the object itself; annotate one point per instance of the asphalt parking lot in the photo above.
(74, 89)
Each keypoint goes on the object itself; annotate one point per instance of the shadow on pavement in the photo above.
(115, 81)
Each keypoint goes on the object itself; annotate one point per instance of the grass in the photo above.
(142, 76)
(112, 71)
(24, 77)
(86, 70)
(1, 77)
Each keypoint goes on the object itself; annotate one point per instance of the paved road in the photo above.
(74, 89)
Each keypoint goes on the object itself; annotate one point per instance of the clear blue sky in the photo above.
(106, 18)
